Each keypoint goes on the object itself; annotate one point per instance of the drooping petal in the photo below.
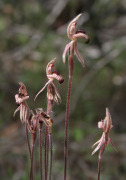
(16, 110)
(65, 51)
(42, 89)
(96, 142)
(102, 141)
(78, 55)
(21, 113)
(112, 144)
(57, 98)
(25, 113)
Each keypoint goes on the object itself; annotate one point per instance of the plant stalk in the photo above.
(51, 154)
(40, 139)
(71, 66)
(46, 152)
(28, 142)
(32, 155)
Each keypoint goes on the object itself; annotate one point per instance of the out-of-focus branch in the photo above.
(19, 53)
(56, 11)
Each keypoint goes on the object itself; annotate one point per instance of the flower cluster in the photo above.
(34, 120)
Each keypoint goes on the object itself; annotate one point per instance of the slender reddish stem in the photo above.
(40, 139)
(47, 159)
(32, 155)
(27, 136)
(99, 162)
(46, 137)
(48, 174)
(51, 154)
(67, 116)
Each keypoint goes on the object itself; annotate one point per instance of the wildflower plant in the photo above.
(35, 120)
(38, 119)
(102, 143)
(73, 34)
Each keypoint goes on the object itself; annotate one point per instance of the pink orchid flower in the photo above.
(21, 98)
(52, 74)
(73, 35)
(106, 126)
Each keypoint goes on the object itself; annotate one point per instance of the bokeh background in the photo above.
(31, 34)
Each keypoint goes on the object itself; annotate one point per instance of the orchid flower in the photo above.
(52, 74)
(44, 117)
(106, 126)
(73, 35)
(21, 98)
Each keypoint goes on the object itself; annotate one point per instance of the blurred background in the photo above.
(31, 34)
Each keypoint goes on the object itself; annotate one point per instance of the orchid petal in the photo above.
(80, 35)
(96, 142)
(78, 55)
(112, 145)
(51, 62)
(22, 89)
(42, 89)
(71, 23)
(65, 51)
(102, 140)
(57, 94)
(21, 113)
(108, 121)
(17, 110)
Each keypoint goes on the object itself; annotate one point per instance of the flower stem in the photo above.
(46, 152)
(29, 148)
(99, 161)
(27, 136)
(51, 154)
(40, 139)
(31, 169)
(71, 66)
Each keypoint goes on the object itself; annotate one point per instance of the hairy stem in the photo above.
(67, 115)
(51, 154)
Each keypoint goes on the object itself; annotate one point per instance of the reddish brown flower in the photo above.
(44, 117)
(21, 98)
(106, 126)
(73, 35)
(52, 74)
